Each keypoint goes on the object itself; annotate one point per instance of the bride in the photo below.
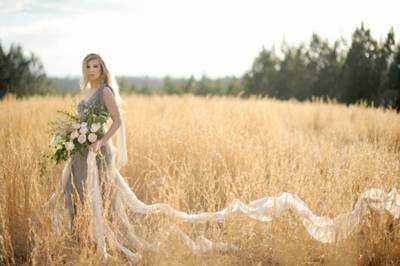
(90, 180)
(87, 179)
(96, 80)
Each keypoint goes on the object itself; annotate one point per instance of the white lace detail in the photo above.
(322, 229)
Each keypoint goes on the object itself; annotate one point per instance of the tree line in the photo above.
(365, 69)
(22, 75)
(168, 85)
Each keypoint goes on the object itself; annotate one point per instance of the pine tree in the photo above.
(360, 76)
(21, 75)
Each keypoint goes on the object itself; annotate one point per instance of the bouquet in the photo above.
(72, 134)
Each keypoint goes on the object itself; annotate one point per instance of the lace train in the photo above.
(322, 229)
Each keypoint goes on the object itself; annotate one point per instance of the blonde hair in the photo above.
(105, 77)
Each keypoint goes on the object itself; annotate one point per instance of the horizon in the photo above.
(180, 38)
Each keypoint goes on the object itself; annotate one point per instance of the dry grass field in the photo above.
(194, 154)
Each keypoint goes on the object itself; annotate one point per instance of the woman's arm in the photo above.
(113, 109)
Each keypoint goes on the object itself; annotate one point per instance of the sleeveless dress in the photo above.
(76, 181)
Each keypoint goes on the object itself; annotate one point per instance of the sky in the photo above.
(179, 38)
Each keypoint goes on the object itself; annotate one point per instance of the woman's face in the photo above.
(93, 69)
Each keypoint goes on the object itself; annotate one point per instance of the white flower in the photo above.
(55, 140)
(69, 145)
(76, 125)
(83, 124)
(82, 139)
(73, 135)
(83, 130)
(95, 127)
(92, 137)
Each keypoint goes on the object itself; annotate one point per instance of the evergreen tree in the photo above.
(391, 95)
(21, 75)
(202, 86)
(326, 63)
(169, 86)
(262, 78)
(360, 78)
(190, 85)
(235, 86)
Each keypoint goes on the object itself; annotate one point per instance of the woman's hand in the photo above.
(95, 146)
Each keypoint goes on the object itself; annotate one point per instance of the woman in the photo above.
(98, 180)
(96, 80)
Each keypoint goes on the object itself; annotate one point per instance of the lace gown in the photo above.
(76, 181)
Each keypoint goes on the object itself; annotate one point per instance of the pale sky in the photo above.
(179, 37)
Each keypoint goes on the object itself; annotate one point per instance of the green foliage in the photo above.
(391, 84)
(62, 127)
(366, 70)
(204, 86)
(95, 114)
(301, 72)
(21, 75)
(59, 133)
(360, 76)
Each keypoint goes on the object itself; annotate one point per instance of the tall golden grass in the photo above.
(193, 153)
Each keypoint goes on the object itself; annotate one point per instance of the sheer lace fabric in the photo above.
(322, 229)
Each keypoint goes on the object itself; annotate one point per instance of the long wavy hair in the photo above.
(105, 77)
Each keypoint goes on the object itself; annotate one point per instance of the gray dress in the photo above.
(74, 189)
